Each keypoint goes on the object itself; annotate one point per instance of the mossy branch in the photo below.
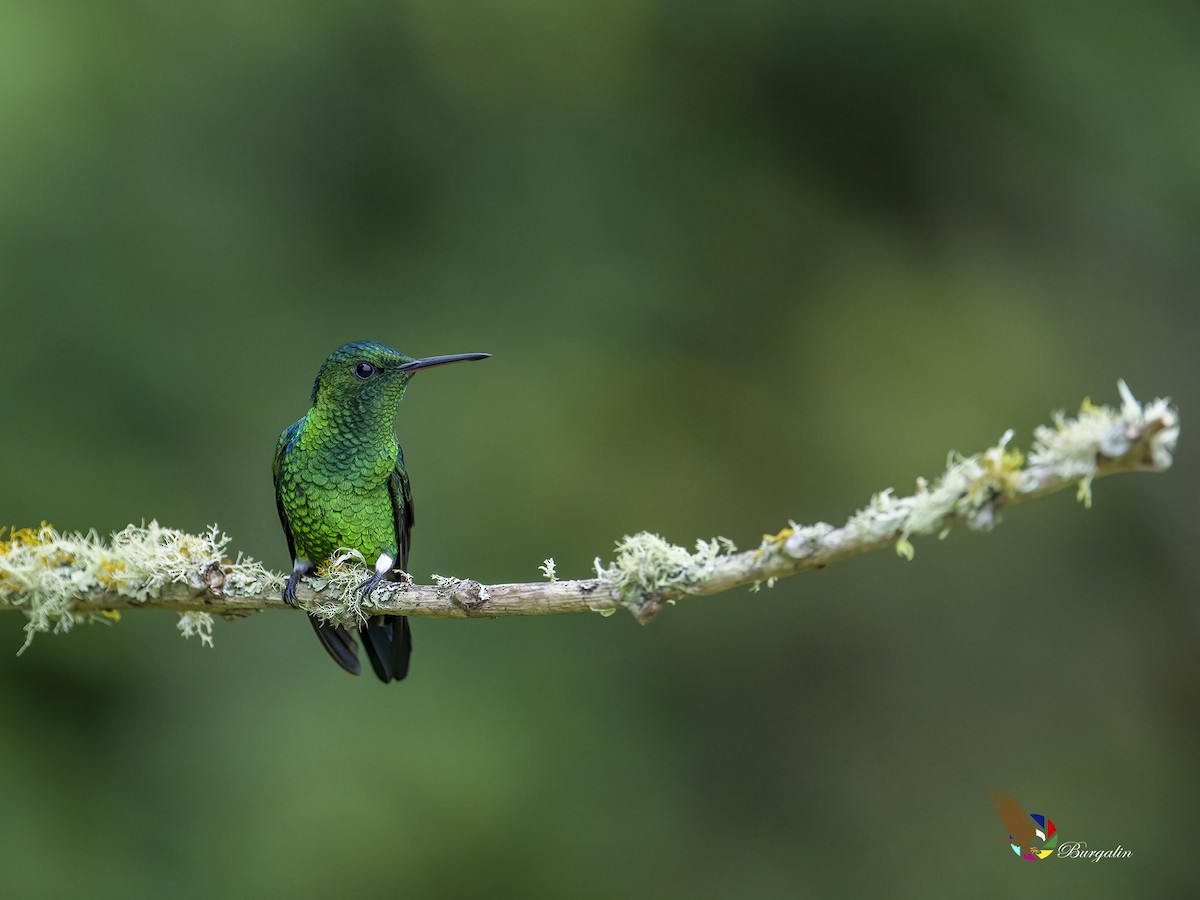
(58, 580)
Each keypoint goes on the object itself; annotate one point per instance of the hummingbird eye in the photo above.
(363, 370)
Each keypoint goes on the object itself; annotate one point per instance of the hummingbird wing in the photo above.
(276, 468)
(336, 640)
(402, 508)
(388, 639)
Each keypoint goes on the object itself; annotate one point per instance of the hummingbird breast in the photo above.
(334, 491)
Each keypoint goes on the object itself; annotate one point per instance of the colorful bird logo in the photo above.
(1031, 835)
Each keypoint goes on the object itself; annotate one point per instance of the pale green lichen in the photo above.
(647, 565)
(966, 491)
(547, 569)
(197, 624)
(1075, 448)
(798, 540)
(44, 571)
(972, 489)
(446, 583)
(341, 580)
(758, 585)
(1073, 445)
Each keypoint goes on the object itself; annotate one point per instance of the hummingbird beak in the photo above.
(438, 360)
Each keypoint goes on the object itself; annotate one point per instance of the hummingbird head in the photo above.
(368, 375)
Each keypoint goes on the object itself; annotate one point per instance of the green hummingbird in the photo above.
(340, 482)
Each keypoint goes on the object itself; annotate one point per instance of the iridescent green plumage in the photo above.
(340, 482)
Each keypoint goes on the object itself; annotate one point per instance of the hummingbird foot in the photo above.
(289, 589)
(300, 568)
(368, 586)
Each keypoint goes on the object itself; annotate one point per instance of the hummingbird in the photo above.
(340, 481)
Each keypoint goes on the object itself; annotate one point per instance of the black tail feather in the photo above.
(388, 642)
(401, 649)
(340, 643)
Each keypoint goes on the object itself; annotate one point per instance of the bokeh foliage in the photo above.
(736, 263)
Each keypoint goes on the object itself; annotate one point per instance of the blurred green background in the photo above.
(737, 263)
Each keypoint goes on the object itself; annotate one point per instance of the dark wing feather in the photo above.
(285, 439)
(402, 509)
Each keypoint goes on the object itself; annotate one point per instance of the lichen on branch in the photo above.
(45, 573)
(61, 579)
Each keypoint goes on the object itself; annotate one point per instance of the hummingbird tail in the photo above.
(388, 641)
(340, 644)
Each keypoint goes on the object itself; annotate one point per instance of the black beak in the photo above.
(438, 360)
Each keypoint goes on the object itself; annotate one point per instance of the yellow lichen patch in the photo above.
(998, 471)
(110, 572)
(28, 537)
(37, 540)
(779, 537)
(112, 614)
(1002, 469)
(774, 541)
(28, 544)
